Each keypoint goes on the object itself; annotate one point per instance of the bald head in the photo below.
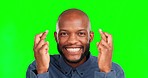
(73, 36)
(74, 15)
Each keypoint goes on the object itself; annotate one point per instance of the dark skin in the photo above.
(73, 33)
(73, 36)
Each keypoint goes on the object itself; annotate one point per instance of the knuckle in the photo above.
(40, 50)
(36, 36)
(110, 36)
(109, 49)
(105, 50)
(99, 44)
(101, 41)
(47, 48)
(41, 42)
(35, 50)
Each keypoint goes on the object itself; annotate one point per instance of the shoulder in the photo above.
(115, 66)
(53, 58)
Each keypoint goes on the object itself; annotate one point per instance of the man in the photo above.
(73, 37)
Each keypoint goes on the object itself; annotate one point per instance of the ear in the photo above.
(55, 36)
(91, 36)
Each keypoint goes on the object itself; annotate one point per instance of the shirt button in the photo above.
(65, 72)
(74, 70)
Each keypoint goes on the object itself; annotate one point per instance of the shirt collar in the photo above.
(64, 66)
(80, 69)
(85, 66)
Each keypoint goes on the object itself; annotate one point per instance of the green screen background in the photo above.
(21, 20)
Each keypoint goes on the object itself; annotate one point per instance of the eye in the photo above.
(81, 34)
(63, 34)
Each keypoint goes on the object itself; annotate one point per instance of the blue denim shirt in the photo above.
(60, 69)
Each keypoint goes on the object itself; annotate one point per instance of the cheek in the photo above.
(84, 40)
(63, 40)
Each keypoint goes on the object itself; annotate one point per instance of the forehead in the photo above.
(75, 23)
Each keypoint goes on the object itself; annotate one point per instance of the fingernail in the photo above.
(100, 30)
(40, 34)
(47, 42)
(97, 43)
(46, 31)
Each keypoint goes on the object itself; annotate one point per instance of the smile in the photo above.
(73, 49)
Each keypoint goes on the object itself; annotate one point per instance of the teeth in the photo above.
(73, 49)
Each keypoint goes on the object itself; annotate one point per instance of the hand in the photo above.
(105, 48)
(41, 53)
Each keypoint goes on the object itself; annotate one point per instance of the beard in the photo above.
(85, 53)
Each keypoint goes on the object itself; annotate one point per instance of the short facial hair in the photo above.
(86, 54)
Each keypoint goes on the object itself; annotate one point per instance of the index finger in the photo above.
(109, 38)
(44, 35)
(37, 39)
(102, 35)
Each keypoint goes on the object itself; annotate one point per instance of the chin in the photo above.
(73, 58)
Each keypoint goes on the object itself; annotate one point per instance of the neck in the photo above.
(74, 65)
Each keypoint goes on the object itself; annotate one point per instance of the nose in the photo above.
(72, 39)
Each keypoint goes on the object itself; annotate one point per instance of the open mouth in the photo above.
(73, 49)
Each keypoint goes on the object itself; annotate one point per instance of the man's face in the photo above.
(73, 39)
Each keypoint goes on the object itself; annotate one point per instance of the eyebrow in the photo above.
(62, 30)
(82, 30)
(78, 30)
